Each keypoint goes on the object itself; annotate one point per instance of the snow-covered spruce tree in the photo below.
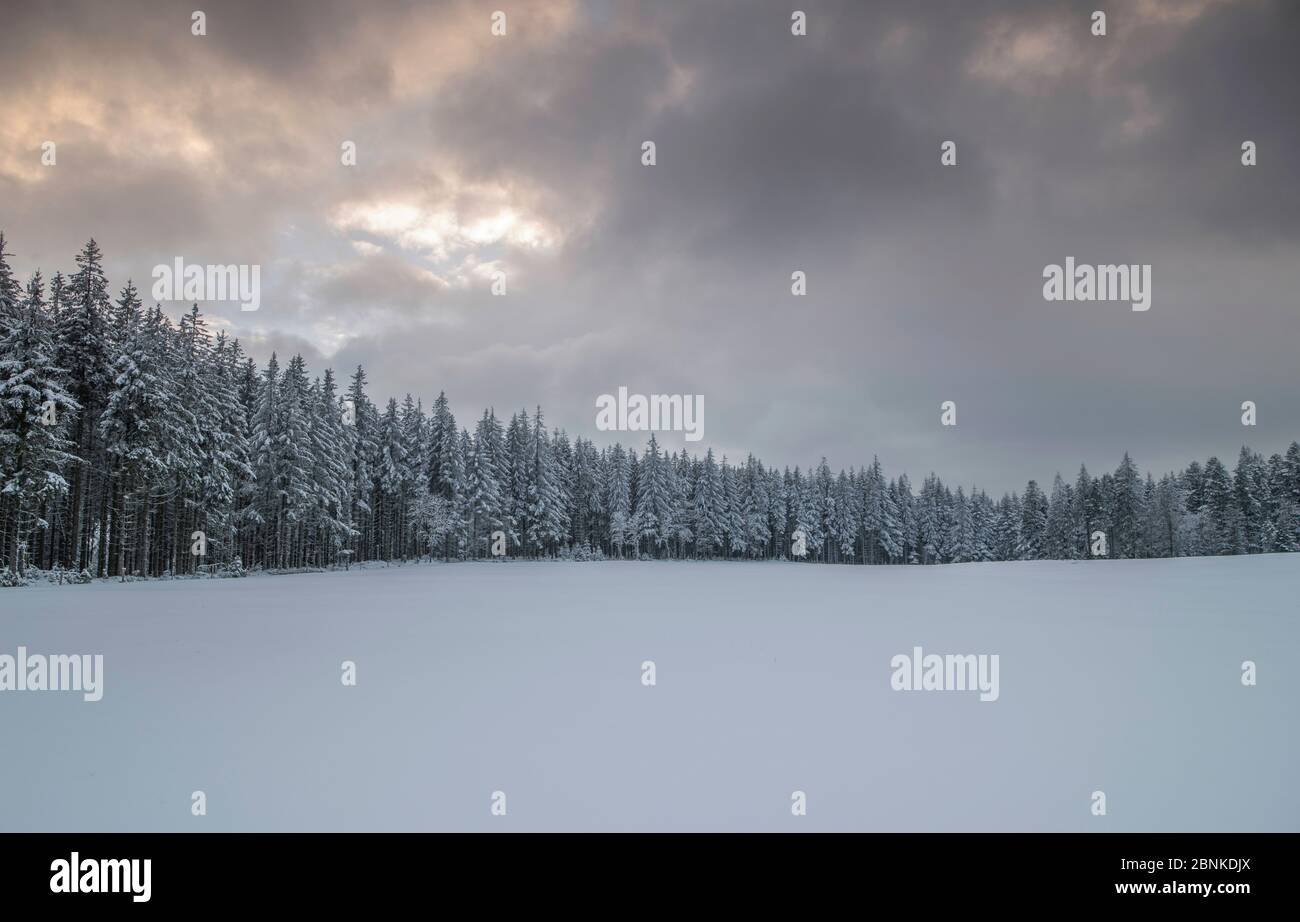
(562, 477)
(1033, 523)
(515, 486)
(983, 517)
(1289, 490)
(1058, 535)
(363, 422)
(684, 471)
(10, 299)
(1164, 514)
(808, 518)
(1084, 514)
(618, 500)
(1251, 494)
(331, 473)
(34, 408)
(1221, 531)
(893, 530)
(707, 508)
(1284, 507)
(82, 348)
(907, 524)
(753, 508)
(652, 503)
(1126, 510)
(585, 490)
(415, 436)
(389, 463)
(548, 520)
(485, 506)
(929, 520)
(733, 517)
(463, 504)
(137, 429)
(1007, 528)
(876, 515)
(11, 292)
(445, 471)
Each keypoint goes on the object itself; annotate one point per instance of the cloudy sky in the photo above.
(775, 153)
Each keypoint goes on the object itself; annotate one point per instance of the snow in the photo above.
(1120, 676)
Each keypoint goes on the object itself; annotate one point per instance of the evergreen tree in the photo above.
(34, 408)
(1126, 510)
(652, 500)
(1220, 524)
(548, 521)
(619, 501)
(11, 292)
(82, 348)
(1251, 495)
(1058, 535)
(707, 508)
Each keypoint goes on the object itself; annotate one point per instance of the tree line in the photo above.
(132, 445)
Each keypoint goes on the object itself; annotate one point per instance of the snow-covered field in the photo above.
(1120, 676)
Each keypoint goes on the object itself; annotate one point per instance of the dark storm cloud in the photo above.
(775, 153)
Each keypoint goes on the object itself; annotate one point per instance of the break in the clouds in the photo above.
(521, 154)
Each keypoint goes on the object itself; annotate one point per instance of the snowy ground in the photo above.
(1121, 676)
